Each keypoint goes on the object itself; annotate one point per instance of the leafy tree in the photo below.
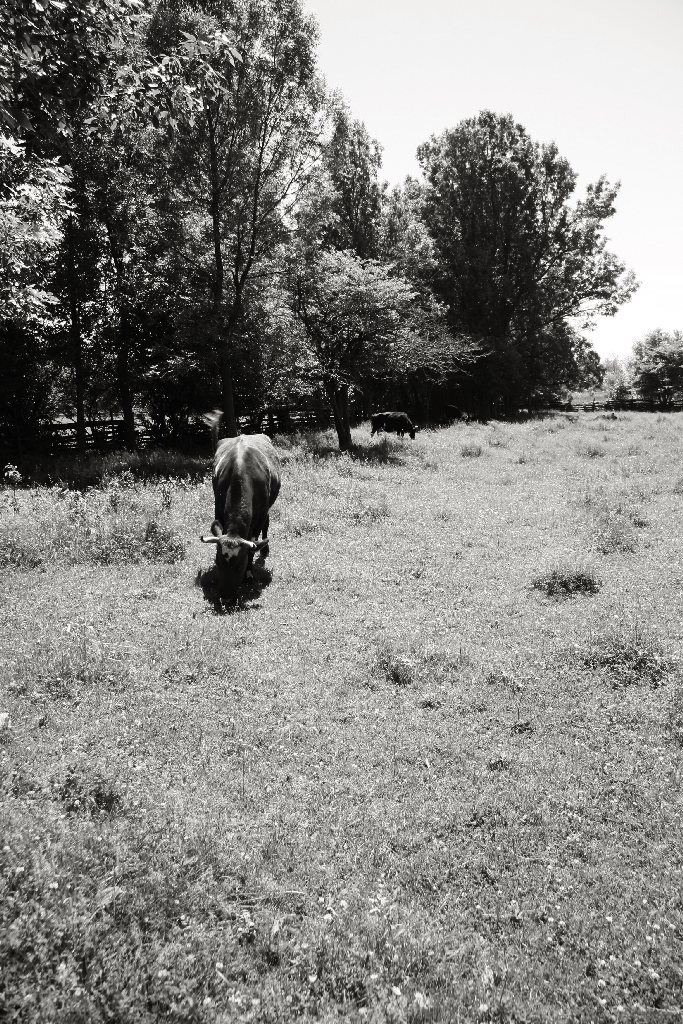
(616, 380)
(53, 58)
(244, 157)
(33, 202)
(405, 240)
(516, 258)
(353, 160)
(657, 367)
(362, 323)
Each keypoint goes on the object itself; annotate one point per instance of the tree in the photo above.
(363, 324)
(615, 380)
(353, 160)
(516, 259)
(53, 60)
(657, 367)
(33, 202)
(245, 156)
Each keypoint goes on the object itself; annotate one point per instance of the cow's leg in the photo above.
(265, 550)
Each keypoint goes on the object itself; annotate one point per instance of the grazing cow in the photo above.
(393, 421)
(246, 482)
(458, 416)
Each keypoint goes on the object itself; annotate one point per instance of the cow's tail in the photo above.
(214, 420)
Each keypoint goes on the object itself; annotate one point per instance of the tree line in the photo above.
(190, 217)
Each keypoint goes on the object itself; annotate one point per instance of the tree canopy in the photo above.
(657, 367)
(517, 259)
(188, 217)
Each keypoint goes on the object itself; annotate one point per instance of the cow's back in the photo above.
(246, 472)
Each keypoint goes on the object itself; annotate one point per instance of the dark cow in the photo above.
(393, 421)
(246, 482)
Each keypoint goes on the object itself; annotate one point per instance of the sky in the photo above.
(602, 78)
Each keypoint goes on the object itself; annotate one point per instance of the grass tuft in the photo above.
(394, 668)
(591, 451)
(615, 514)
(88, 792)
(471, 451)
(628, 658)
(566, 581)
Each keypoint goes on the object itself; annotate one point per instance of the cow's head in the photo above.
(233, 557)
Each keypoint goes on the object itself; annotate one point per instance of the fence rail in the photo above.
(109, 434)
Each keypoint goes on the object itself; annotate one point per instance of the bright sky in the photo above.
(603, 78)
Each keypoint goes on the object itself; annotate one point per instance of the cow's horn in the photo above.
(210, 540)
(247, 544)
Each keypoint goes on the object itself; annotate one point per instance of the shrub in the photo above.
(566, 581)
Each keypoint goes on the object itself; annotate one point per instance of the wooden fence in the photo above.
(108, 434)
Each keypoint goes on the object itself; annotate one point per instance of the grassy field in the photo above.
(429, 770)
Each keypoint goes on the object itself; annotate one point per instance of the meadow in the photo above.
(427, 769)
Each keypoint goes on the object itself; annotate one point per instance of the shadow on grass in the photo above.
(250, 590)
(79, 472)
(324, 445)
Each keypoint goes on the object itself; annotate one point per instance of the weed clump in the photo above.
(616, 515)
(94, 794)
(392, 667)
(591, 451)
(162, 544)
(18, 555)
(471, 451)
(627, 660)
(567, 581)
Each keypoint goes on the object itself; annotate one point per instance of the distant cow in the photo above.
(458, 415)
(397, 422)
(246, 482)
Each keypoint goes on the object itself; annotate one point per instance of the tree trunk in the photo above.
(123, 374)
(222, 338)
(230, 425)
(125, 392)
(76, 337)
(338, 397)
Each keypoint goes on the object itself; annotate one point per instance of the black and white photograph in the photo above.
(341, 512)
